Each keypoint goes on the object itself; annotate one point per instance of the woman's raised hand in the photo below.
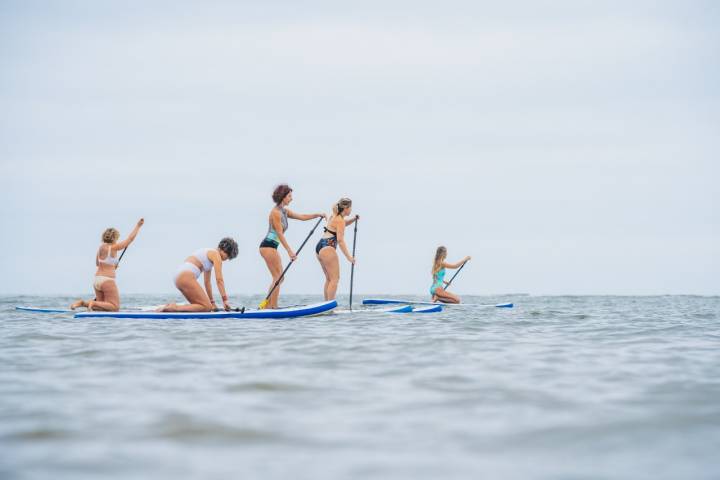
(140, 222)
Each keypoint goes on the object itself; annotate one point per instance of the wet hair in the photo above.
(341, 205)
(110, 235)
(440, 255)
(229, 246)
(280, 193)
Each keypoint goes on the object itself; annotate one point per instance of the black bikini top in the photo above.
(334, 234)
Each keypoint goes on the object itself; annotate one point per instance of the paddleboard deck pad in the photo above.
(288, 312)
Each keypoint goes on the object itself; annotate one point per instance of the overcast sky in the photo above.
(570, 147)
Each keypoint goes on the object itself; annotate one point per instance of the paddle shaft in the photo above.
(291, 261)
(352, 267)
(456, 274)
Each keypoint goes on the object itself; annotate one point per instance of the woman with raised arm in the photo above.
(437, 290)
(326, 248)
(203, 261)
(107, 295)
(277, 225)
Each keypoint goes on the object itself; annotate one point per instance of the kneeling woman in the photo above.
(334, 236)
(203, 261)
(277, 225)
(437, 290)
(107, 296)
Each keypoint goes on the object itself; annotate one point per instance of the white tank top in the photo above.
(202, 256)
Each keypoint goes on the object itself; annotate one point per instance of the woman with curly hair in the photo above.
(203, 261)
(326, 248)
(277, 225)
(107, 296)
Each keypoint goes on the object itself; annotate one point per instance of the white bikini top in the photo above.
(202, 256)
(109, 259)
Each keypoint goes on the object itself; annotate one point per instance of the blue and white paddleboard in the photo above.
(289, 312)
(392, 301)
(427, 309)
(43, 310)
(402, 309)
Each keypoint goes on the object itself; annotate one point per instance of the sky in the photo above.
(569, 146)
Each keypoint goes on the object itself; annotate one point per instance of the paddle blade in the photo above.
(263, 304)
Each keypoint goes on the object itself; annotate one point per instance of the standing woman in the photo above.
(107, 296)
(437, 290)
(203, 261)
(277, 225)
(326, 247)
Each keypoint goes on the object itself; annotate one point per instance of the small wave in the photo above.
(39, 434)
(265, 387)
(184, 428)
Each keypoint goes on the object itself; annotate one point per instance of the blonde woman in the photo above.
(204, 261)
(277, 225)
(437, 290)
(107, 296)
(326, 248)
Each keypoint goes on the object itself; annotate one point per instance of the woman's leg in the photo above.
(193, 293)
(107, 297)
(327, 278)
(274, 264)
(331, 266)
(446, 297)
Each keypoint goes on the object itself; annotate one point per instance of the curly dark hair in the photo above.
(280, 192)
(229, 246)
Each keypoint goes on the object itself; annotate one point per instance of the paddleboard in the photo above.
(403, 309)
(391, 301)
(427, 309)
(43, 310)
(288, 312)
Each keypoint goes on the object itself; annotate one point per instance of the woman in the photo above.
(326, 248)
(107, 296)
(277, 225)
(203, 261)
(437, 290)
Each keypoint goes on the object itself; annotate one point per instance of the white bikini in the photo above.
(202, 257)
(108, 260)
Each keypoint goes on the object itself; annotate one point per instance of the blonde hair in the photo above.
(341, 205)
(440, 255)
(110, 235)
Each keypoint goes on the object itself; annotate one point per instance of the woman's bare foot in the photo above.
(89, 305)
(166, 307)
(78, 304)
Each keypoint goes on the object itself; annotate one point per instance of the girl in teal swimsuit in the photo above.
(437, 290)
(277, 225)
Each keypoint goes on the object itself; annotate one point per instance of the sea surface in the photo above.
(555, 388)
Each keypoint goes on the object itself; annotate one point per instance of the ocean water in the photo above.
(556, 388)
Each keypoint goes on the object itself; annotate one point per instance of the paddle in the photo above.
(264, 303)
(456, 274)
(121, 255)
(352, 267)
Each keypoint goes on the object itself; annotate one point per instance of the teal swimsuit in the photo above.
(271, 239)
(438, 280)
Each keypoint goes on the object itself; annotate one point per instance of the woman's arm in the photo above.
(304, 216)
(352, 220)
(277, 225)
(125, 243)
(219, 280)
(456, 265)
(208, 289)
(340, 226)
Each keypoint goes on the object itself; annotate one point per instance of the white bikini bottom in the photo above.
(99, 280)
(187, 267)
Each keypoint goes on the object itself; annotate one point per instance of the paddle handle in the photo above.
(291, 261)
(456, 274)
(121, 255)
(352, 267)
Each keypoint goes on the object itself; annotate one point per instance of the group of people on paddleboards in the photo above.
(205, 260)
